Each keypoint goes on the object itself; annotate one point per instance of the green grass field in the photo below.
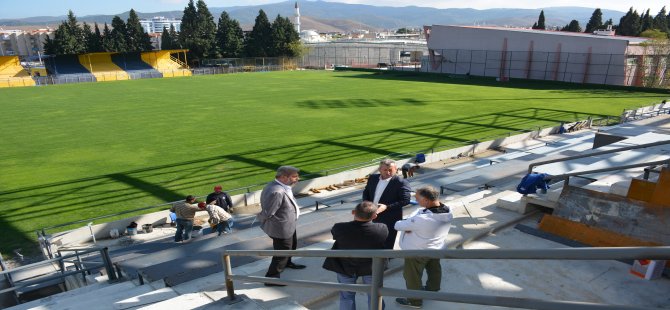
(78, 151)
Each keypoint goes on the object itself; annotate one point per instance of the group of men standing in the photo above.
(376, 223)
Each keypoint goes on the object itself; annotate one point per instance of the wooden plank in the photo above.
(588, 235)
(642, 190)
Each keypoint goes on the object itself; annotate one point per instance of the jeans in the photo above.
(348, 299)
(226, 226)
(184, 228)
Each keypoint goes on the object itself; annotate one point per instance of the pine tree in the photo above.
(573, 26)
(167, 41)
(646, 22)
(137, 39)
(107, 41)
(661, 21)
(94, 41)
(87, 33)
(206, 32)
(259, 39)
(629, 24)
(188, 28)
(540, 22)
(68, 38)
(284, 37)
(229, 36)
(596, 21)
(119, 35)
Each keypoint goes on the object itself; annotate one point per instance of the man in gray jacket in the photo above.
(278, 217)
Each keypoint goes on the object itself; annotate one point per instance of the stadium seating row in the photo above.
(95, 67)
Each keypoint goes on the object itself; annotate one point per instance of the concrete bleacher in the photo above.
(133, 64)
(165, 63)
(102, 67)
(67, 69)
(12, 74)
(188, 276)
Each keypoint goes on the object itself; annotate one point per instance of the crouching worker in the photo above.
(426, 228)
(359, 234)
(217, 217)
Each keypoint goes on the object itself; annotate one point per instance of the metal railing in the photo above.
(81, 267)
(621, 149)
(376, 289)
(567, 176)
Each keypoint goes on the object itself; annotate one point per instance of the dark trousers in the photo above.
(390, 239)
(413, 272)
(279, 262)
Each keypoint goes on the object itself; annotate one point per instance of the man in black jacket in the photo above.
(391, 194)
(359, 234)
(222, 199)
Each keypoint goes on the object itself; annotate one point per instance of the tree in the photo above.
(137, 39)
(573, 26)
(260, 38)
(118, 35)
(68, 38)
(94, 40)
(107, 42)
(661, 21)
(206, 32)
(646, 22)
(655, 61)
(404, 31)
(188, 25)
(167, 40)
(596, 21)
(540, 22)
(229, 36)
(283, 35)
(629, 24)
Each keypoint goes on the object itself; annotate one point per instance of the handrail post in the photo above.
(111, 274)
(377, 283)
(228, 271)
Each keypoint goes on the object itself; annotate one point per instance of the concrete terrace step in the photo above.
(89, 295)
(202, 257)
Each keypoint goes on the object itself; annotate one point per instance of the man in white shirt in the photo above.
(391, 194)
(424, 229)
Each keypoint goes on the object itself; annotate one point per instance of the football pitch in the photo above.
(78, 151)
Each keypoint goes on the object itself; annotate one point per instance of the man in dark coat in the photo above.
(391, 194)
(222, 199)
(359, 234)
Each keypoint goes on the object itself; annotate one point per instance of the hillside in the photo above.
(330, 16)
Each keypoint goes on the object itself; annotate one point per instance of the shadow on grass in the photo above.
(49, 204)
(562, 87)
(358, 103)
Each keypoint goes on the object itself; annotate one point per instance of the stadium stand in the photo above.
(12, 74)
(136, 68)
(67, 69)
(101, 65)
(167, 64)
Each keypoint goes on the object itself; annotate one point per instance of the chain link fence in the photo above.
(362, 55)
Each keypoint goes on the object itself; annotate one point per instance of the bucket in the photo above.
(131, 231)
(147, 228)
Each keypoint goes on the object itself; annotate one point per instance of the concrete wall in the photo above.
(633, 218)
(553, 55)
(322, 55)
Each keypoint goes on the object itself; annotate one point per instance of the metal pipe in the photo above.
(567, 175)
(228, 271)
(377, 283)
(600, 253)
(111, 274)
(360, 288)
(626, 148)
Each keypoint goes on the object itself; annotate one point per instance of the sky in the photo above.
(19, 9)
